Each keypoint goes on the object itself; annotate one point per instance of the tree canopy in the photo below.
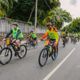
(6, 6)
(25, 9)
(48, 10)
(73, 27)
(58, 17)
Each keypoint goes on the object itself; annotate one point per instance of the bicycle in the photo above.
(31, 43)
(47, 51)
(6, 52)
(1, 44)
(64, 42)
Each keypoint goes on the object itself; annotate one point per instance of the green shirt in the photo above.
(17, 34)
(33, 35)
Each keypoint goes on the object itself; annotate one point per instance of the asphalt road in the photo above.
(65, 67)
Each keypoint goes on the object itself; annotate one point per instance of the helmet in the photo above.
(49, 24)
(31, 31)
(15, 24)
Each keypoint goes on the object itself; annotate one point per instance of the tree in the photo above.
(74, 26)
(25, 9)
(58, 16)
(5, 7)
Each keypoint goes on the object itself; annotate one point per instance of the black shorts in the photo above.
(34, 38)
(52, 39)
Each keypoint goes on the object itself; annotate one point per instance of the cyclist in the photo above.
(64, 36)
(52, 35)
(16, 34)
(33, 36)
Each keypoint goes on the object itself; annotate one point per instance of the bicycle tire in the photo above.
(20, 52)
(6, 48)
(39, 59)
(54, 55)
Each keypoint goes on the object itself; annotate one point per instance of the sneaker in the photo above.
(55, 55)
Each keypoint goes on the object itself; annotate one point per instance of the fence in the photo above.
(5, 26)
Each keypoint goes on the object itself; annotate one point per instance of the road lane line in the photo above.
(59, 65)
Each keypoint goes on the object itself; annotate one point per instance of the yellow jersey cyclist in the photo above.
(51, 34)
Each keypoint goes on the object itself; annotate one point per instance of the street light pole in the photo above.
(36, 5)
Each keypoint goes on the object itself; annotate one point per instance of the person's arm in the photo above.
(45, 35)
(8, 34)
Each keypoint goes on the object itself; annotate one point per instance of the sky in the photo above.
(72, 6)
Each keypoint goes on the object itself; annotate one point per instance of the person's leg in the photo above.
(18, 42)
(56, 46)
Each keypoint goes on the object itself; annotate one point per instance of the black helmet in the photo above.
(31, 31)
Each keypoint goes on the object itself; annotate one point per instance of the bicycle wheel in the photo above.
(5, 56)
(43, 57)
(22, 52)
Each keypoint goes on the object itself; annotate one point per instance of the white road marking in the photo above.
(60, 64)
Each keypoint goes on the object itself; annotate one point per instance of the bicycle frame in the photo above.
(12, 45)
(50, 47)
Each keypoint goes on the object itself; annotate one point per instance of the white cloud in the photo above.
(73, 9)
